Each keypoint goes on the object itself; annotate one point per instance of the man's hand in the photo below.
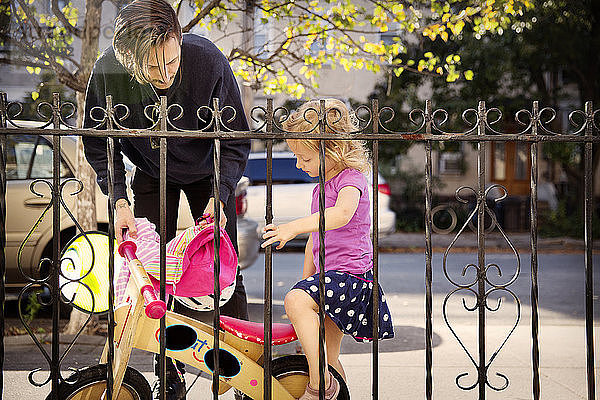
(124, 220)
(210, 210)
(278, 233)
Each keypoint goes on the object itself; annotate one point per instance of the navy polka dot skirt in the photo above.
(349, 303)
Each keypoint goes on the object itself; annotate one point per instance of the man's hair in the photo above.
(139, 27)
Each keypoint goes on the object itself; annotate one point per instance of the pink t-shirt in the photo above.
(348, 248)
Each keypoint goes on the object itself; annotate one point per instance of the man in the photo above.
(150, 57)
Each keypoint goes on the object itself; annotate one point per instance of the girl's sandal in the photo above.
(330, 393)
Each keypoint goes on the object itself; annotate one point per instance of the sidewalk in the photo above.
(467, 242)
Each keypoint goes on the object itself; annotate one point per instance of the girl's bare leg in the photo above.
(333, 339)
(303, 313)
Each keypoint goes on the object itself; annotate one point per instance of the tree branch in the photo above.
(203, 13)
(23, 63)
(73, 30)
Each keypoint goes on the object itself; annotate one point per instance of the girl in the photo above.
(349, 252)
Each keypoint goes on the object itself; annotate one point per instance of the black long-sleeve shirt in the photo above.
(204, 74)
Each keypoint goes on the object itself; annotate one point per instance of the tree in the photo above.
(556, 39)
(41, 41)
(340, 33)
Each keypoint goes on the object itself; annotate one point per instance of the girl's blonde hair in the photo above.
(350, 153)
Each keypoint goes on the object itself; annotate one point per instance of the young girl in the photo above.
(348, 252)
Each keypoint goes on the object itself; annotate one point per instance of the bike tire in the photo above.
(90, 383)
(292, 372)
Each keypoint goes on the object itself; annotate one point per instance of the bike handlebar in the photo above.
(154, 307)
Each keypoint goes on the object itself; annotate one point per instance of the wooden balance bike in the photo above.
(189, 341)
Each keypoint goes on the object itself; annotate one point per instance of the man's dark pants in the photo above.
(146, 193)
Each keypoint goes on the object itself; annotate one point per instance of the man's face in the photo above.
(163, 63)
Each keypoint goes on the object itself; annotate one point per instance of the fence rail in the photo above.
(481, 126)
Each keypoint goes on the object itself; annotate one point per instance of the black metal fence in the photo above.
(480, 129)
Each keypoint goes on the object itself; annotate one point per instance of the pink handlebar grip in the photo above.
(154, 307)
(127, 250)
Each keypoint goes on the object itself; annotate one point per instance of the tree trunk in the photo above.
(86, 200)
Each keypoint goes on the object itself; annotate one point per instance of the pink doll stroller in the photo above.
(190, 265)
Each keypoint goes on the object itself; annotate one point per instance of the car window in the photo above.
(30, 157)
(284, 171)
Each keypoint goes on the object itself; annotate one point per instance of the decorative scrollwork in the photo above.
(261, 122)
(594, 124)
(550, 114)
(43, 282)
(116, 119)
(579, 128)
(437, 126)
(284, 115)
(490, 124)
(208, 122)
(473, 287)
(313, 126)
(528, 124)
(339, 114)
(64, 119)
(383, 121)
(482, 301)
(413, 116)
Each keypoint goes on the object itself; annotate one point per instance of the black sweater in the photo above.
(204, 73)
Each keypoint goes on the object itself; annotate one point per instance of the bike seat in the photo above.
(254, 331)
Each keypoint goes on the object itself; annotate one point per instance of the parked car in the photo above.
(29, 157)
(292, 192)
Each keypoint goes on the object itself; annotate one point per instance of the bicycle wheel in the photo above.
(292, 372)
(92, 384)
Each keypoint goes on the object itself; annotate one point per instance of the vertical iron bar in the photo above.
(428, 258)
(268, 305)
(481, 149)
(54, 367)
(217, 261)
(2, 233)
(589, 268)
(535, 350)
(375, 188)
(162, 364)
(322, 363)
(110, 151)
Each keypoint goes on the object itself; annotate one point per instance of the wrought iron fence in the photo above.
(481, 128)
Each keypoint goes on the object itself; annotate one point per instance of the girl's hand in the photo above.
(277, 233)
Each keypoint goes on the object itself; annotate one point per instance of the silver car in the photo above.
(29, 157)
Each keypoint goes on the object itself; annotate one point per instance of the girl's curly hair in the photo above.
(351, 153)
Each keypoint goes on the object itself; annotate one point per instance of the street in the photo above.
(561, 279)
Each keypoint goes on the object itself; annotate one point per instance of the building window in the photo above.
(451, 163)
(521, 162)
(499, 161)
